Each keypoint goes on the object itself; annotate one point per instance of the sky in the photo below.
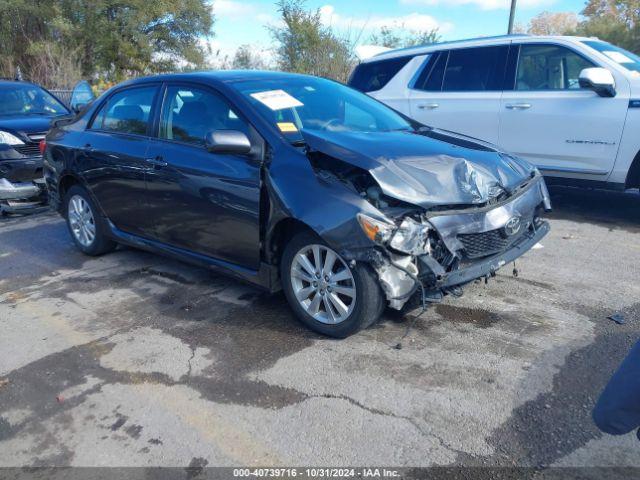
(245, 21)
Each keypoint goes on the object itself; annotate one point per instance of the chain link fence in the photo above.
(64, 96)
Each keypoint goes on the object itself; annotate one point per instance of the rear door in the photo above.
(460, 90)
(204, 202)
(549, 120)
(113, 156)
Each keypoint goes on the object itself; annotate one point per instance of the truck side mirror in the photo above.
(600, 80)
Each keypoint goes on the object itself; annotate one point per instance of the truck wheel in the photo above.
(327, 294)
(86, 225)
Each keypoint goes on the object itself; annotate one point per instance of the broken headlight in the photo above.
(377, 231)
(410, 237)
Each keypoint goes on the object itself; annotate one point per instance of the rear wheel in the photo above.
(327, 294)
(87, 227)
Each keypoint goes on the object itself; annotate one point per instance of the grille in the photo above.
(31, 149)
(478, 245)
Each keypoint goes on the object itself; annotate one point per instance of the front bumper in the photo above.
(491, 265)
(21, 196)
(402, 275)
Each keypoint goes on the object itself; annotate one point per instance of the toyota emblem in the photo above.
(512, 227)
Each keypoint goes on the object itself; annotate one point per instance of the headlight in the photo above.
(411, 237)
(7, 139)
(376, 230)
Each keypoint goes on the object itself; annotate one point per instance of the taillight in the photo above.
(42, 145)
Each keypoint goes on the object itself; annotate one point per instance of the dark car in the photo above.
(26, 112)
(293, 182)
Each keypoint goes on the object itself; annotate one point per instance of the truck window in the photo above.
(475, 69)
(549, 67)
(372, 76)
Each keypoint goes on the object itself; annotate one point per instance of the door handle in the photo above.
(430, 106)
(87, 148)
(518, 106)
(156, 161)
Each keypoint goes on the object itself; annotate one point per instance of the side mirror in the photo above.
(227, 141)
(78, 107)
(600, 80)
(81, 96)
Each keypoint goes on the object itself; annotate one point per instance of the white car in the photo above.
(569, 105)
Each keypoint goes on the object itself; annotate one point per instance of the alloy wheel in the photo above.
(323, 284)
(81, 220)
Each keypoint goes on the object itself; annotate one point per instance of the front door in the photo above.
(113, 153)
(460, 91)
(204, 202)
(547, 119)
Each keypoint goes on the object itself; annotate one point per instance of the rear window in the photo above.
(372, 76)
(477, 69)
(127, 111)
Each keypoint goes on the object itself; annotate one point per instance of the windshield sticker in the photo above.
(277, 99)
(287, 127)
(618, 57)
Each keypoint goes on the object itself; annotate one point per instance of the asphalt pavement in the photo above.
(131, 359)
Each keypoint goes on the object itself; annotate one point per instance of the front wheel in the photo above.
(85, 224)
(327, 294)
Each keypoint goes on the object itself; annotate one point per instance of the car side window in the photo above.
(475, 69)
(549, 67)
(189, 113)
(126, 111)
(430, 78)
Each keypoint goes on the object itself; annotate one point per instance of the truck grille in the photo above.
(478, 245)
(31, 149)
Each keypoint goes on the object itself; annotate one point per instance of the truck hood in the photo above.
(427, 168)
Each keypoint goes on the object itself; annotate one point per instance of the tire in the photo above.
(362, 311)
(96, 244)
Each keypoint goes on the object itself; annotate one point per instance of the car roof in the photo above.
(469, 42)
(219, 76)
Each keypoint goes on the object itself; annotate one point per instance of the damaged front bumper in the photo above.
(20, 196)
(478, 243)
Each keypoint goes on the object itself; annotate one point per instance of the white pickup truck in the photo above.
(569, 105)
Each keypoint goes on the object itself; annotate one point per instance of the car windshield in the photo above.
(301, 103)
(28, 100)
(622, 57)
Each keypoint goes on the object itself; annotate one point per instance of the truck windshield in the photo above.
(28, 100)
(622, 57)
(306, 103)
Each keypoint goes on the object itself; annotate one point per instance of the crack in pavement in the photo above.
(377, 411)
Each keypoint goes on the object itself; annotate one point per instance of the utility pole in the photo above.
(512, 14)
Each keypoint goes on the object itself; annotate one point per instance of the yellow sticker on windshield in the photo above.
(287, 127)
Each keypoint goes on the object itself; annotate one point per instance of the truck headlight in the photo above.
(411, 237)
(8, 139)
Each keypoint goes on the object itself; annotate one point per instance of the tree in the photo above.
(115, 38)
(615, 21)
(553, 23)
(399, 38)
(305, 45)
(246, 59)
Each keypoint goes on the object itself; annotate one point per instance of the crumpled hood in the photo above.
(431, 168)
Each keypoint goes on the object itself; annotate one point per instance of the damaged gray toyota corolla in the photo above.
(425, 210)
(294, 182)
